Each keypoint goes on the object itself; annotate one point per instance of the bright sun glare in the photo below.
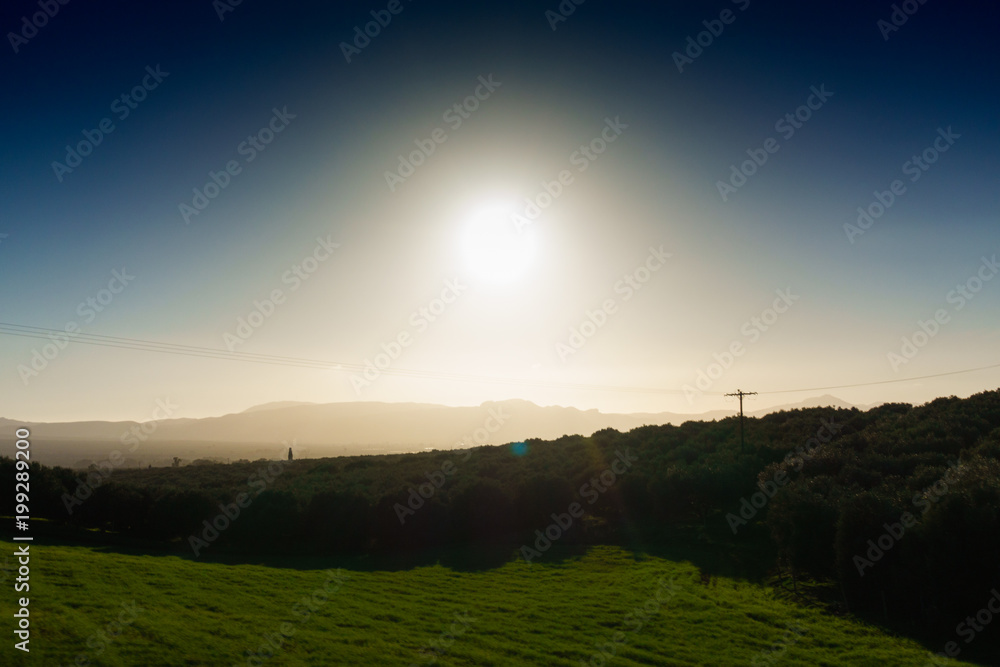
(494, 249)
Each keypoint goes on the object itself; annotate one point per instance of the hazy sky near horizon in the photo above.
(695, 197)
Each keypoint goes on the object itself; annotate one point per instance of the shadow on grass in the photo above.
(713, 554)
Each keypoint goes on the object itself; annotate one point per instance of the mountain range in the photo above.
(335, 429)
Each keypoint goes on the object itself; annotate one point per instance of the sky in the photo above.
(632, 206)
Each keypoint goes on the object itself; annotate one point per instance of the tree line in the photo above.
(898, 506)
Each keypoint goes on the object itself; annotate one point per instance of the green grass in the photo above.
(551, 613)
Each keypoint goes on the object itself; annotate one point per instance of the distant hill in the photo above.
(276, 405)
(334, 429)
(825, 401)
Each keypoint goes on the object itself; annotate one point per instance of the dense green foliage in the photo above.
(833, 499)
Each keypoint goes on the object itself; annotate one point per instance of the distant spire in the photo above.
(289, 453)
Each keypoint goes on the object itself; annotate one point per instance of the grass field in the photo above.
(180, 612)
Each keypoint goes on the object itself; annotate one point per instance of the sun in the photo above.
(494, 249)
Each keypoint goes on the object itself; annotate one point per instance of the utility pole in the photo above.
(741, 394)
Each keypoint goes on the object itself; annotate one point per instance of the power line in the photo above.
(869, 384)
(118, 342)
(153, 346)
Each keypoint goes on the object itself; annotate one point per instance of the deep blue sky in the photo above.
(324, 176)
